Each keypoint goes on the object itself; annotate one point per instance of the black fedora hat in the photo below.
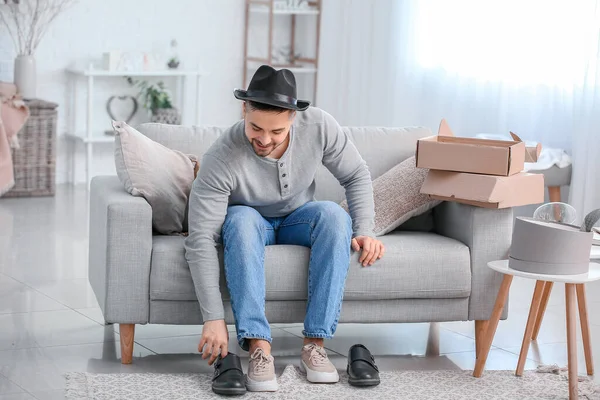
(273, 87)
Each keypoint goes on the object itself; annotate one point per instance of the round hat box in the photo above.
(552, 248)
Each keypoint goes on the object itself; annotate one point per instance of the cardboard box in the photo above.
(485, 190)
(480, 156)
(532, 153)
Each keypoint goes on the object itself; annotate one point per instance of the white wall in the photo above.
(209, 33)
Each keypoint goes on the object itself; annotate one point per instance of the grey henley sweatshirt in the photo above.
(232, 174)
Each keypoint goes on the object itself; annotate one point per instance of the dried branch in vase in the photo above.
(27, 21)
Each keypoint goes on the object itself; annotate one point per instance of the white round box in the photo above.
(544, 247)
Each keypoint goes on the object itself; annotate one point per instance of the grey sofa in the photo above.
(434, 268)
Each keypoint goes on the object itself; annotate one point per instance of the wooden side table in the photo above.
(575, 293)
(594, 254)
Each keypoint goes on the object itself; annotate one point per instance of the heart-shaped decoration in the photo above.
(134, 107)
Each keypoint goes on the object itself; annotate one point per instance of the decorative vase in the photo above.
(25, 76)
(166, 116)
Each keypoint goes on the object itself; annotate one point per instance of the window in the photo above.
(527, 42)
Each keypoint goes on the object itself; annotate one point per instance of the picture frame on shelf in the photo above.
(115, 115)
(126, 61)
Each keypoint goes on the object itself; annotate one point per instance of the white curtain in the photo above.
(487, 66)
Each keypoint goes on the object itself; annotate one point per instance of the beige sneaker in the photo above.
(316, 365)
(261, 373)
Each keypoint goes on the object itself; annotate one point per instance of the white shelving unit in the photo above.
(295, 70)
(87, 136)
(303, 65)
(261, 8)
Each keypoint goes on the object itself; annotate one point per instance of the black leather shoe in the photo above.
(362, 370)
(229, 376)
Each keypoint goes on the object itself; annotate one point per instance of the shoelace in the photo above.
(318, 355)
(262, 361)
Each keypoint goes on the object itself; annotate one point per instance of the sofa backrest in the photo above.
(382, 148)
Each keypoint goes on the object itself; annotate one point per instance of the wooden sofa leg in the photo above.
(480, 328)
(127, 333)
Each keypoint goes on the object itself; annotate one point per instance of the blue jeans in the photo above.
(321, 225)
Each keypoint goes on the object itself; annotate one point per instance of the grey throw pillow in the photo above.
(161, 175)
(397, 196)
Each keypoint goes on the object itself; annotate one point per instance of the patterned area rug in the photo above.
(552, 384)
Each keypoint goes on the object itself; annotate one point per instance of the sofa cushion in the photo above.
(397, 196)
(416, 265)
(161, 175)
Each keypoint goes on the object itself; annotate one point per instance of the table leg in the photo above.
(554, 194)
(542, 310)
(571, 339)
(533, 314)
(585, 328)
(492, 325)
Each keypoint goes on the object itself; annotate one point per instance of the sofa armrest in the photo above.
(120, 247)
(488, 233)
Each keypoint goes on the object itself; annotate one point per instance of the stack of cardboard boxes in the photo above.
(479, 172)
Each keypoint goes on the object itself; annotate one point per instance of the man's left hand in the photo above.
(373, 249)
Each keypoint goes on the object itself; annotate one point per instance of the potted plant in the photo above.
(157, 99)
(26, 22)
(173, 62)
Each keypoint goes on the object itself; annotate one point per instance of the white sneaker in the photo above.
(316, 365)
(261, 373)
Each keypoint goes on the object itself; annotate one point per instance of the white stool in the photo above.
(554, 179)
(575, 293)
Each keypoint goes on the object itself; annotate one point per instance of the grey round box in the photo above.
(552, 248)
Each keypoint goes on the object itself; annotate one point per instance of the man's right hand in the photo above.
(214, 340)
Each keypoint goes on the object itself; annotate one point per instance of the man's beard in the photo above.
(264, 151)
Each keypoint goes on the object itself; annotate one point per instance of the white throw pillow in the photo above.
(161, 175)
(397, 196)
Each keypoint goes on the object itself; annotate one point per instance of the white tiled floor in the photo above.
(50, 322)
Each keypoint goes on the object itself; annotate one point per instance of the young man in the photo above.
(255, 188)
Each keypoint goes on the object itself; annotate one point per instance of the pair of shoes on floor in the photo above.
(229, 378)
(313, 362)
(362, 370)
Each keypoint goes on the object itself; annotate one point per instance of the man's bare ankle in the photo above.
(259, 343)
(317, 341)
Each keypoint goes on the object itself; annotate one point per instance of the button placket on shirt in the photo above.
(284, 182)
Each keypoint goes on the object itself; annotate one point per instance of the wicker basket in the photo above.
(35, 161)
(166, 116)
